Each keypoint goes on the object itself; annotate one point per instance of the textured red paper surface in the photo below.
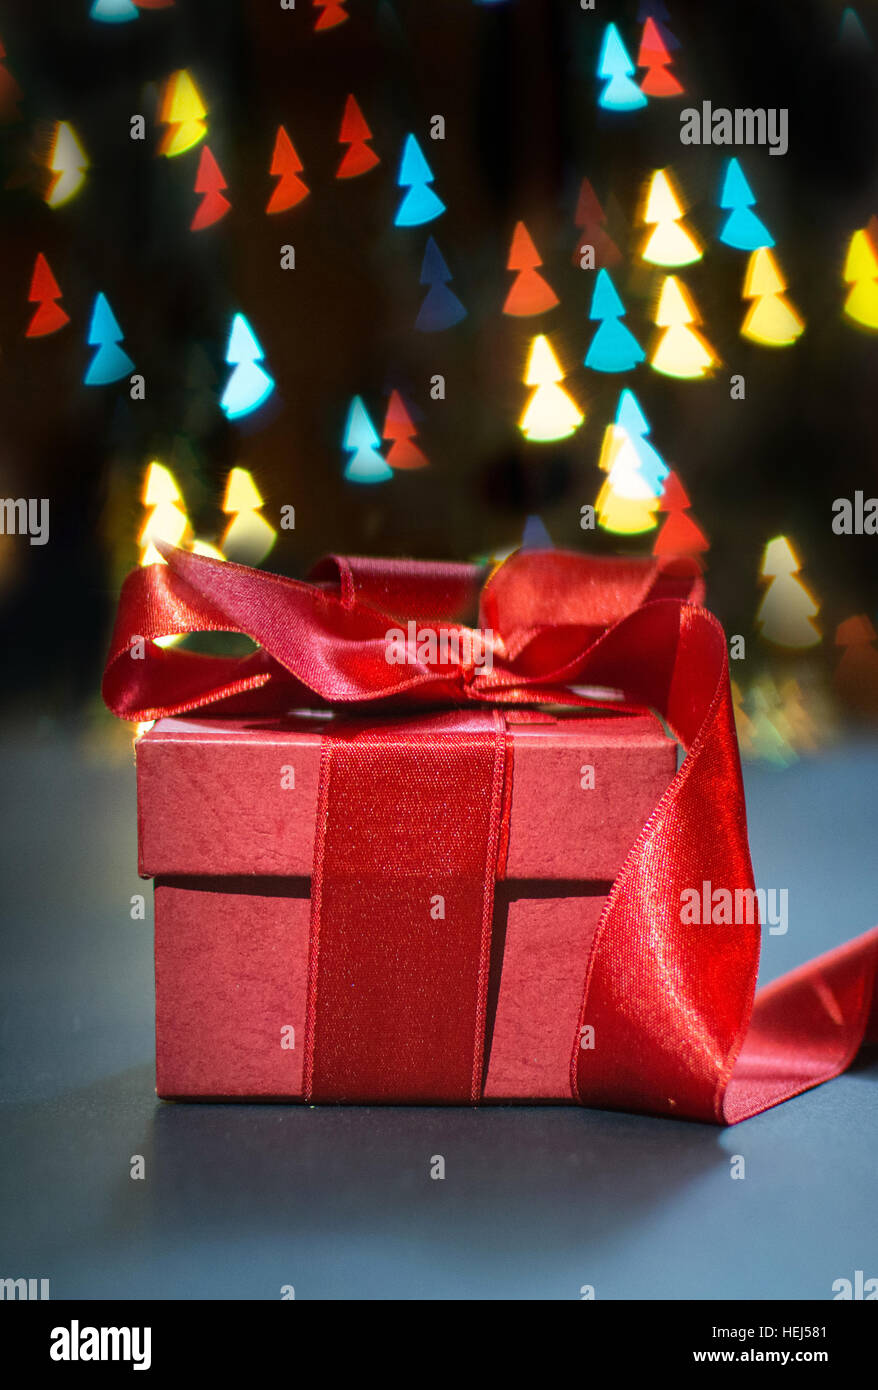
(211, 798)
(231, 848)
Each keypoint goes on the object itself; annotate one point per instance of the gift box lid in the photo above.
(232, 797)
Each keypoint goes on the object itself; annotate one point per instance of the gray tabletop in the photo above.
(239, 1201)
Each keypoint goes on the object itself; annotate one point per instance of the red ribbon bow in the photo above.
(676, 1028)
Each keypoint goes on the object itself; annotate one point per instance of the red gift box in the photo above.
(227, 825)
(543, 980)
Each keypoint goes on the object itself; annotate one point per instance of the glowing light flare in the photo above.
(209, 181)
(248, 537)
(249, 385)
(771, 319)
(861, 262)
(762, 729)
(681, 351)
(744, 726)
(68, 162)
(662, 202)
(207, 549)
(675, 306)
(742, 229)
(669, 244)
(763, 277)
(626, 503)
(286, 167)
(110, 362)
(550, 413)
(654, 56)
(182, 110)
(399, 428)
(624, 516)
(856, 675)
(535, 535)
(159, 486)
(630, 416)
(654, 9)
(679, 535)
(44, 291)
(441, 308)
(802, 731)
(785, 614)
(361, 440)
(629, 498)
(852, 37)
(625, 478)
(861, 273)
(242, 494)
(615, 68)
(613, 347)
(777, 722)
(857, 631)
(770, 732)
(496, 557)
(10, 92)
(420, 204)
(359, 159)
(590, 219)
(613, 439)
(529, 293)
(166, 521)
(113, 11)
(332, 13)
(631, 419)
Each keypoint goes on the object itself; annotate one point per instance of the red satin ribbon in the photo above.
(675, 1028)
(402, 895)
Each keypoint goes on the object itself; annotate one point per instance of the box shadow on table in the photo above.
(515, 1178)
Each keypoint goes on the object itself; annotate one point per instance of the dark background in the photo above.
(239, 1200)
(515, 82)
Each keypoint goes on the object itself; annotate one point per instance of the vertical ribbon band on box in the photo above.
(409, 829)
